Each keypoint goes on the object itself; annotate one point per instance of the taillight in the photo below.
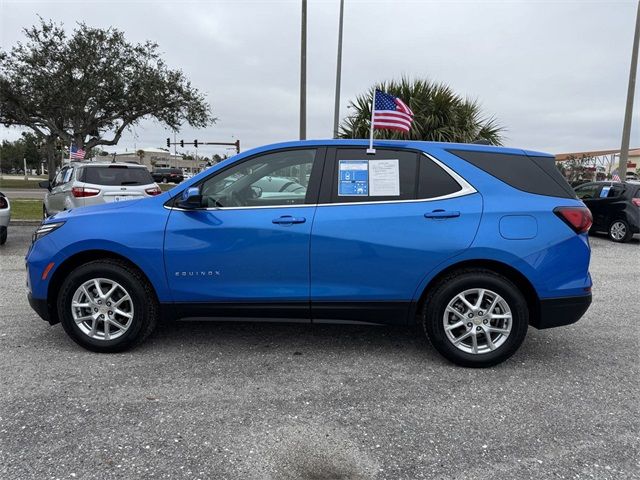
(578, 218)
(81, 192)
(3, 202)
(636, 202)
(153, 191)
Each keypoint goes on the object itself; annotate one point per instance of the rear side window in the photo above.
(388, 175)
(117, 175)
(530, 174)
(615, 191)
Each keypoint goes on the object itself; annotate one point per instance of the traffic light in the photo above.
(195, 143)
(181, 143)
(168, 142)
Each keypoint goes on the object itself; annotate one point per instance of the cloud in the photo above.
(554, 73)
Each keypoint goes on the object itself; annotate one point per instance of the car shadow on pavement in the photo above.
(291, 337)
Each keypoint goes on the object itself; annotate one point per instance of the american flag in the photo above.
(76, 153)
(391, 113)
(614, 176)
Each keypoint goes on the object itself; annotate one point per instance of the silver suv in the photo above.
(90, 183)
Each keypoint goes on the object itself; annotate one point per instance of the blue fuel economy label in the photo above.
(353, 178)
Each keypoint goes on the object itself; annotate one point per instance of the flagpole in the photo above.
(371, 150)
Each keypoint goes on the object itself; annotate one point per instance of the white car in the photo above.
(81, 184)
(5, 216)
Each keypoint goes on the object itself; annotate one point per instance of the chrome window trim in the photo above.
(465, 189)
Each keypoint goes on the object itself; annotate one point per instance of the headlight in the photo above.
(45, 229)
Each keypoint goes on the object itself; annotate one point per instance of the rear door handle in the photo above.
(288, 220)
(442, 214)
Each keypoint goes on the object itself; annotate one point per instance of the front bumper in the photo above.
(556, 312)
(41, 307)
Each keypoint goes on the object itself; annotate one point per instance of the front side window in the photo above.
(588, 191)
(274, 179)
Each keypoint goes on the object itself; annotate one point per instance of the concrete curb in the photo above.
(25, 223)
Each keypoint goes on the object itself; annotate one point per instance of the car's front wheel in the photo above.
(476, 317)
(107, 306)
(619, 231)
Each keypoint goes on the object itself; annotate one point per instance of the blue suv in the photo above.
(472, 243)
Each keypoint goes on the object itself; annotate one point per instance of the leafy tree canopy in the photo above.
(439, 114)
(91, 86)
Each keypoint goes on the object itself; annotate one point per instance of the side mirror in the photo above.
(190, 199)
(257, 192)
(45, 184)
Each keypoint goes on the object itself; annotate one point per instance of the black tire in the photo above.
(3, 235)
(616, 236)
(45, 214)
(165, 180)
(447, 288)
(142, 295)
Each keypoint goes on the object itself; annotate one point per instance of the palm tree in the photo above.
(440, 114)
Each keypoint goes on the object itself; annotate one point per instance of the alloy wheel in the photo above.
(477, 321)
(618, 230)
(102, 309)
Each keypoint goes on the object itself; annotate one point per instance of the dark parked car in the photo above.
(615, 207)
(166, 175)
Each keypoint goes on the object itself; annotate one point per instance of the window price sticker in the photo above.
(353, 178)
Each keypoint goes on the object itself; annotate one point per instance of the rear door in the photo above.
(590, 194)
(59, 191)
(384, 221)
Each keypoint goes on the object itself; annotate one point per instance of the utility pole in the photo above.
(626, 129)
(336, 111)
(303, 73)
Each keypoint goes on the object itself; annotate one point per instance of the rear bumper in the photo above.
(556, 312)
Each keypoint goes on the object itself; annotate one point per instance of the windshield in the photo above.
(117, 175)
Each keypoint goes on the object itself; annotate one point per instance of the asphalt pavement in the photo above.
(268, 401)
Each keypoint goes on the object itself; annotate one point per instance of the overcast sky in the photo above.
(554, 73)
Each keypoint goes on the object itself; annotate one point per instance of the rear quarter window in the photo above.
(434, 181)
(527, 173)
(117, 175)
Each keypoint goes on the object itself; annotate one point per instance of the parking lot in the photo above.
(253, 401)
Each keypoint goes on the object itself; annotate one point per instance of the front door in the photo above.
(247, 248)
(385, 221)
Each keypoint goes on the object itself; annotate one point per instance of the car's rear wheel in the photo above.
(165, 180)
(3, 235)
(619, 231)
(476, 317)
(107, 306)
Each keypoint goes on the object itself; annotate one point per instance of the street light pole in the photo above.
(336, 111)
(626, 130)
(303, 73)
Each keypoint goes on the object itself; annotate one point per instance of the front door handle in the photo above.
(288, 220)
(442, 214)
